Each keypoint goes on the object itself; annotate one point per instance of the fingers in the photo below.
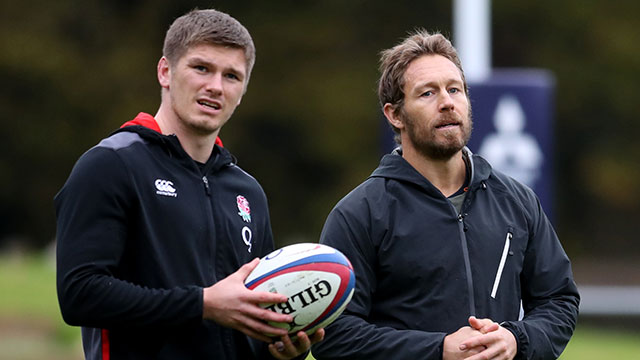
(490, 353)
(497, 346)
(266, 314)
(246, 269)
(263, 297)
(287, 349)
(302, 342)
(482, 340)
(317, 336)
(252, 326)
(483, 325)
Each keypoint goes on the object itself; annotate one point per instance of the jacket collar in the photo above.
(148, 121)
(147, 127)
(394, 166)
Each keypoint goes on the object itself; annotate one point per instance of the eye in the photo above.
(200, 68)
(454, 91)
(427, 93)
(232, 76)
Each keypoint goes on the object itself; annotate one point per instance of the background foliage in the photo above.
(309, 126)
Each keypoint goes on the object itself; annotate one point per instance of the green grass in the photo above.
(591, 343)
(31, 326)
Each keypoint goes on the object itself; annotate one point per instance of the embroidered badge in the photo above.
(243, 206)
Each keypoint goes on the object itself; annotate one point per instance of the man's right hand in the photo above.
(451, 348)
(229, 303)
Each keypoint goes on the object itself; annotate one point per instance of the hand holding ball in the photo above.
(317, 279)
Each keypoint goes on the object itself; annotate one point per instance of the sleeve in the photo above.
(351, 336)
(549, 294)
(92, 210)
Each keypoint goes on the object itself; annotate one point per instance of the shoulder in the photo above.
(365, 199)
(100, 169)
(511, 190)
(106, 152)
(242, 174)
(120, 140)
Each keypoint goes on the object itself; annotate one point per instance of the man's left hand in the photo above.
(286, 349)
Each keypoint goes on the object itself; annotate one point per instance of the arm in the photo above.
(352, 336)
(93, 210)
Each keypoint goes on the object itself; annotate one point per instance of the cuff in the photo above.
(522, 342)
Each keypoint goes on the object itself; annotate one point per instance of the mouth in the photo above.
(211, 104)
(448, 121)
(448, 124)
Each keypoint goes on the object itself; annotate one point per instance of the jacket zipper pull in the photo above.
(206, 185)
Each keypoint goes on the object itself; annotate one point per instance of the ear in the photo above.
(393, 118)
(164, 73)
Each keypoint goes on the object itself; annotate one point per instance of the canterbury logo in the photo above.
(165, 187)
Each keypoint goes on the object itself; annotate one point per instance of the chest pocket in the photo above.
(503, 259)
(510, 255)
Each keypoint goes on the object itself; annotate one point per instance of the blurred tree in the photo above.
(591, 47)
(308, 127)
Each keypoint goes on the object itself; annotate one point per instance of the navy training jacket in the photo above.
(422, 268)
(141, 231)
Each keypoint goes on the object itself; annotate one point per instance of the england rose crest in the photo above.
(243, 206)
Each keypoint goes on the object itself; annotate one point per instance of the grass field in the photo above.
(31, 327)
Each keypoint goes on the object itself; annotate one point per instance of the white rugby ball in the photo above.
(317, 279)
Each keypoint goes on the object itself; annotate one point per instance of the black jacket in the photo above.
(422, 268)
(141, 231)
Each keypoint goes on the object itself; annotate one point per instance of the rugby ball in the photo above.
(317, 279)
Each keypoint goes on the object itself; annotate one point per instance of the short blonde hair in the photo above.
(395, 61)
(207, 27)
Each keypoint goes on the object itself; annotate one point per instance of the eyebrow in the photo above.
(434, 84)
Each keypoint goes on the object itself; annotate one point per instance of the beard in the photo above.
(438, 147)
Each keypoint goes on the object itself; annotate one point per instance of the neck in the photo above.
(196, 144)
(447, 175)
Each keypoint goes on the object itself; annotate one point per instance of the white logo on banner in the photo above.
(510, 149)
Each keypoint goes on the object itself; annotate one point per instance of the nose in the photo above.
(214, 83)
(446, 102)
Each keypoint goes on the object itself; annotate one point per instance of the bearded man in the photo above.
(445, 249)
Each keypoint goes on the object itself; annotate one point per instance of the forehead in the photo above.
(431, 68)
(216, 54)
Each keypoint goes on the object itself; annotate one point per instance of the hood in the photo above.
(394, 166)
(147, 127)
(148, 121)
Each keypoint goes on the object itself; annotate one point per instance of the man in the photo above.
(444, 248)
(154, 221)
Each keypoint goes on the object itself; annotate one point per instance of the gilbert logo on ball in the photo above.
(318, 280)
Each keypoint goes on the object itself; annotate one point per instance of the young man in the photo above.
(445, 248)
(156, 221)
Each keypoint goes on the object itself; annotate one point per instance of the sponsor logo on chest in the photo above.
(165, 188)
